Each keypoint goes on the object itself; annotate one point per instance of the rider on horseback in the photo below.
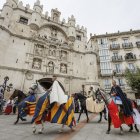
(57, 94)
(120, 98)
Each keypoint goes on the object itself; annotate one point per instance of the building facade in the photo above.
(34, 45)
(116, 52)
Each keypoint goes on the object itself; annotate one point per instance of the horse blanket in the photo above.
(23, 106)
(94, 107)
(56, 114)
(117, 117)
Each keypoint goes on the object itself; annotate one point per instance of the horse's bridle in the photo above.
(106, 100)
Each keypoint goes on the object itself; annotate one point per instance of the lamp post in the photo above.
(6, 79)
(83, 89)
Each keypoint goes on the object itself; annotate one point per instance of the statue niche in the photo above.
(51, 67)
(52, 51)
(37, 63)
(39, 49)
(63, 55)
(63, 68)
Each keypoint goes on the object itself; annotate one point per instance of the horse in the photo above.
(20, 97)
(82, 100)
(25, 103)
(113, 109)
(44, 111)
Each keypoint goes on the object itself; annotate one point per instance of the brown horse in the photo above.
(82, 100)
(19, 94)
(20, 97)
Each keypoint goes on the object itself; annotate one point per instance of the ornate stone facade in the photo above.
(34, 45)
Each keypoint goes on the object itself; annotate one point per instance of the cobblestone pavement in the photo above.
(83, 131)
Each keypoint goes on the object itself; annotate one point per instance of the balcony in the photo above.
(138, 44)
(130, 58)
(105, 73)
(127, 45)
(118, 72)
(114, 46)
(117, 58)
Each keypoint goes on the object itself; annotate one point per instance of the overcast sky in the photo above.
(99, 16)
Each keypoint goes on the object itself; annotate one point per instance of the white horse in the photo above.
(41, 91)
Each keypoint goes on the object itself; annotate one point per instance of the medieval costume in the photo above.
(120, 98)
(22, 106)
(57, 93)
(136, 114)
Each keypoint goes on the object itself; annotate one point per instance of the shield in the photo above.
(46, 82)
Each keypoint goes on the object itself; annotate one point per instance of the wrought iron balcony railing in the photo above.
(117, 58)
(115, 46)
(132, 58)
(127, 45)
(118, 71)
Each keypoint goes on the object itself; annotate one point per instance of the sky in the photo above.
(98, 16)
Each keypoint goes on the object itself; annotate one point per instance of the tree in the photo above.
(133, 79)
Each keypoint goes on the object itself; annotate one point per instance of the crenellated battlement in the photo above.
(38, 17)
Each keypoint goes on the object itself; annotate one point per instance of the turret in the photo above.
(36, 16)
(7, 10)
(71, 29)
(55, 15)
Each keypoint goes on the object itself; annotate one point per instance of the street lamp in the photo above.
(5, 86)
(5, 83)
(83, 89)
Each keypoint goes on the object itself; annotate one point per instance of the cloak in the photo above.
(126, 107)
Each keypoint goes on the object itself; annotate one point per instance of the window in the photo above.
(131, 66)
(115, 54)
(103, 58)
(118, 68)
(23, 20)
(107, 83)
(104, 52)
(113, 42)
(105, 68)
(125, 40)
(78, 37)
(120, 82)
(102, 41)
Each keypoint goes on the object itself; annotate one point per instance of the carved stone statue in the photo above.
(52, 51)
(63, 68)
(39, 50)
(37, 63)
(64, 55)
(51, 67)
